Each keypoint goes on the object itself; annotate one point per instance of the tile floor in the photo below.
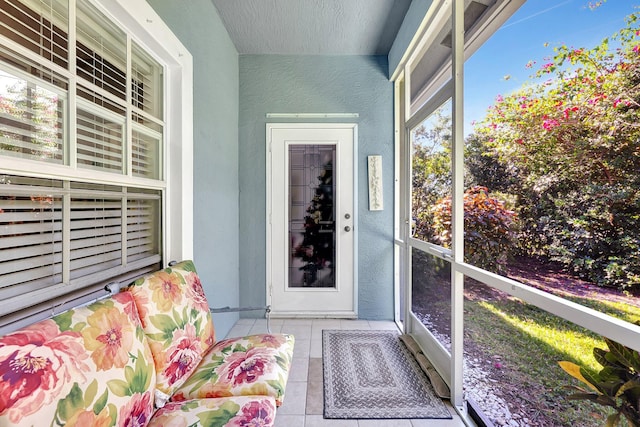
(308, 333)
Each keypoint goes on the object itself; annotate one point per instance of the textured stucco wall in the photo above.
(318, 84)
(215, 120)
(410, 24)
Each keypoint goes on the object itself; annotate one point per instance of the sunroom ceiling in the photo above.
(313, 27)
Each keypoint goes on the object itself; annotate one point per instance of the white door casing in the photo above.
(287, 297)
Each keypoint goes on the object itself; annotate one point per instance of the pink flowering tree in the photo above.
(572, 137)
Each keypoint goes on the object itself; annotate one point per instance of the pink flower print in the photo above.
(245, 367)
(126, 299)
(137, 411)
(183, 354)
(169, 416)
(267, 340)
(35, 364)
(254, 414)
(195, 292)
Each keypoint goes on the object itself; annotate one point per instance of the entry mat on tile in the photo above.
(372, 374)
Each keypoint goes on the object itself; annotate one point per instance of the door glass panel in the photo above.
(312, 239)
(431, 177)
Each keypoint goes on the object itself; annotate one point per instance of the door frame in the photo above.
(269, 236)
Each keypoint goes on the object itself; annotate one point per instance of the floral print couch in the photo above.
(146, 356)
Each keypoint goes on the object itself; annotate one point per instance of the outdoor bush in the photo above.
(569, 143)
(489, 228)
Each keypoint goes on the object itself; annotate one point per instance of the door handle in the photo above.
(347, 229)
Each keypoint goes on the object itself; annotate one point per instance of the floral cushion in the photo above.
(176, 318)
(251, 365)
(88, 366)
(224, 412)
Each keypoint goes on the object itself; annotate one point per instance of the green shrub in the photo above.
(616, 385)
(489, 228)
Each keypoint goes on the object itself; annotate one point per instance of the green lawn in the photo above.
(529, 342)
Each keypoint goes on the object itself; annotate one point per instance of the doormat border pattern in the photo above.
(372, 375)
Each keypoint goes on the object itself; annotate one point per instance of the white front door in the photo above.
(310, 215)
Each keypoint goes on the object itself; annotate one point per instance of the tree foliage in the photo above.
(568, 146)
(431, 171)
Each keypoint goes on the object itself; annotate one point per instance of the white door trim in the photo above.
(268, 256)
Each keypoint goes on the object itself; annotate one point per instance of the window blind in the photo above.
(102, 241)
(96, 234)
(100, 141)
(41, 26)
(101, 51)
(63, 233)
(146, 155)
(142, 213)
(30, 235)
(146, 76)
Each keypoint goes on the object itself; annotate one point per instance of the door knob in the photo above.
(347, 228)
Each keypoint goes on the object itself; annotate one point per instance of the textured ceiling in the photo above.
(313, 27)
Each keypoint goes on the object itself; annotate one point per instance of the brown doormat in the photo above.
(371, 374)
(441, 388)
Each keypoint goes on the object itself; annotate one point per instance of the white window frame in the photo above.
(138, 19)
(450, 366)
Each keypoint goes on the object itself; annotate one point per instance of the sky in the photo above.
(522, 39)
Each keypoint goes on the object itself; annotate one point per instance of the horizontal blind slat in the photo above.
(95, 249)
(90, 232)
(25, 251)
(24, 287)
(27, 264)
(28, 228)
(15, 241)
(24, 276)
(77, 244)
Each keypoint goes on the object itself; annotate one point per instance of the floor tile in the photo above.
(289, 420)
(326, 323)
(316, 348)
(303, 322)
(301, 348)
(383, 325)
(315, 388)
(319, 421)
(238, 330)
(260, 327)
(299, 369)
(384, 423)
(354, 324)
(454, 422)
(298, 331)
(295, 398)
